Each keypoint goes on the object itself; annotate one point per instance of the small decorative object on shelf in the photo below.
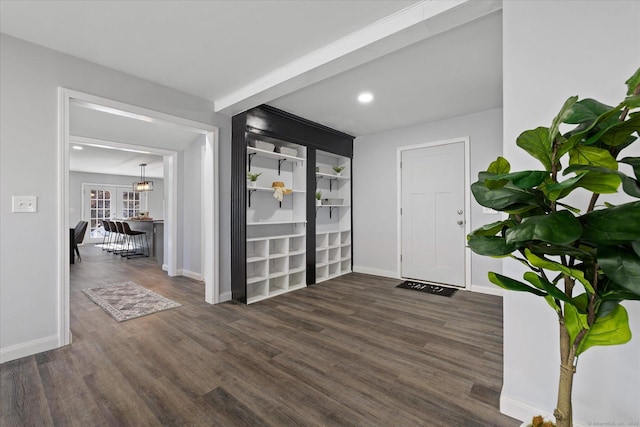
(338, 169)
(252, 178)
(288, 151)
(318, 198)
(263, 145)
(279, 191)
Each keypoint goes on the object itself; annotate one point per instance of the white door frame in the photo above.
(467, 201)
(209, 203)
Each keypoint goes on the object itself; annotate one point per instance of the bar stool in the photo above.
(107, 234)
(131, 239)
(113, 236)
(120, 238)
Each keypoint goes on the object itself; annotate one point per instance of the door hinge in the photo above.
(400, 211)
(400, 257)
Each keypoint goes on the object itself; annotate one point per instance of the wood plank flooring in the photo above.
(353, 351)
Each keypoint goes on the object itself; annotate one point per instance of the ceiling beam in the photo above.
(410, 25)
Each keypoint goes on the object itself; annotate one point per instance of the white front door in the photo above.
(432, 214)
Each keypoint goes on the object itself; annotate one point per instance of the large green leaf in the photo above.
(490, 245)
(543, 284)
(635, 163)
(586, 111)
(633, 82)
(565, 112)
(561, 189)
(493, 228)
(630, 185)
(612, 329)
(513, 285)
(545, 248)
(592, 156)
(622, 265)
(574, 321)
(547, 264)
(507, 198)
(601, 183)
(621, 132)
(524, 179)
(612, 226)
(560, 228)
(499, 166)
(537, 143)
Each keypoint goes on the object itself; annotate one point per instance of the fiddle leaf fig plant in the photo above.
(583, 262)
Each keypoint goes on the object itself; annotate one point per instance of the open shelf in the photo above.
(273, 155)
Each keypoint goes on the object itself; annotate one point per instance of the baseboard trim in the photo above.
(487, 290)
(225, 296)
(191, 275)
(523, 411)
(28, 348)
(375, 272)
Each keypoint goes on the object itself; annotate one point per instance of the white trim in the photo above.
(28, 348)
(190, 274)
(375, 272)
(467, 201)
(65, 97)
(489, 290)
(210, 215)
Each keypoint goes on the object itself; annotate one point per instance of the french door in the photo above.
(108, 202)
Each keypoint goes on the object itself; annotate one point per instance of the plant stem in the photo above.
(592, 202)
(563, 411)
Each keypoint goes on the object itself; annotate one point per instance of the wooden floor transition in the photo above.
(351, 351)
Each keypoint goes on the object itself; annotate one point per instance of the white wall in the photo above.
(76, 179)
(375, 210)
(553, 50)
(29, 261)
(190, 251)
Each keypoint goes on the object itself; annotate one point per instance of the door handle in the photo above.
(460, 222)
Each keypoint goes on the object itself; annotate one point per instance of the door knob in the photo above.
(460, 222)
(460, 212)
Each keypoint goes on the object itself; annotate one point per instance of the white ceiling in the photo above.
(424, 61)
(114, 162)
(451, 74)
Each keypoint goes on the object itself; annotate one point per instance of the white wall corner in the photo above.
(489, 290)
(225, 296)
(28, 348)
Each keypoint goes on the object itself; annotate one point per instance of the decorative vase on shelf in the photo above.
(252, 184)
(318, 202)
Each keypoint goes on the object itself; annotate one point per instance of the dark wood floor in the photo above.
(351, 351)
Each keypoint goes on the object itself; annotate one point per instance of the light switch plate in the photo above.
(26, 204)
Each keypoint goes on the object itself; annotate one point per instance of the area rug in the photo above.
(424, 287)
(128, 300)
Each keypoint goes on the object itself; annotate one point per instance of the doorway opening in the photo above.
(434, 219)
(69, 99)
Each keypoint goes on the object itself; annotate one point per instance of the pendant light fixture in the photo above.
(143, 184)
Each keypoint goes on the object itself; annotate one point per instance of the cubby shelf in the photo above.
(272, 250)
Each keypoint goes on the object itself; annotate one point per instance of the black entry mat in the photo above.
(431, 289)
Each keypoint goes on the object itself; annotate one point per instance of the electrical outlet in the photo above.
(28, 204)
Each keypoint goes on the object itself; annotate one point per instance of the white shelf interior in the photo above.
(276, 231)
(333, 221)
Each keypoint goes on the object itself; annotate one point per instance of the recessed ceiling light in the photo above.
(78, 147)
(365, 97)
